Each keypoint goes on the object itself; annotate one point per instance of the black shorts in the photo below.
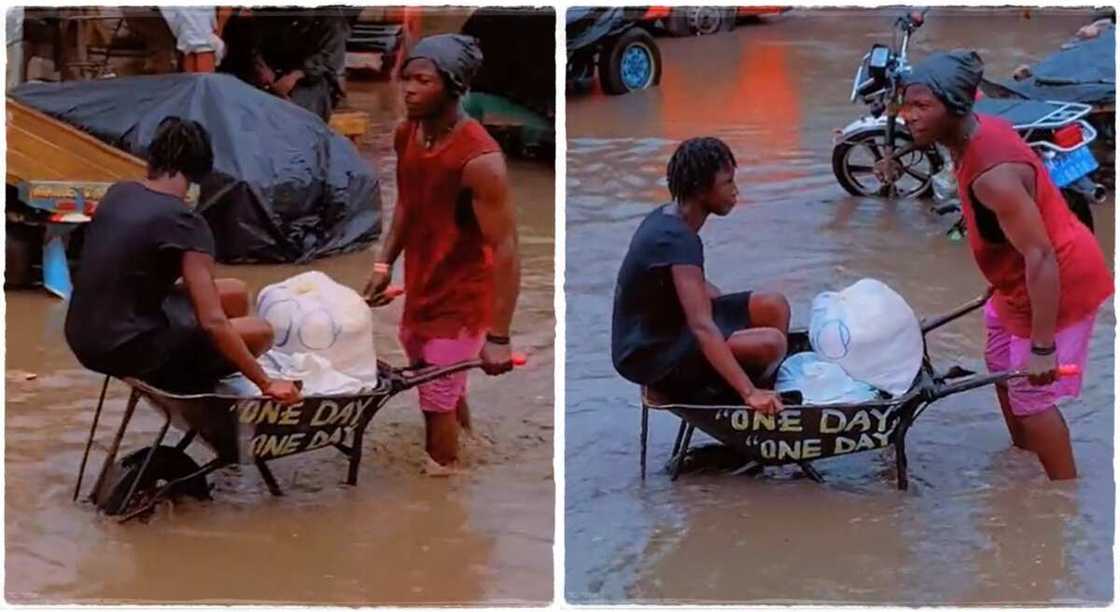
(692, 372)
(185, 359)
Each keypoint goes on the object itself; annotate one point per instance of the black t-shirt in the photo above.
(129, 264)
(649, 334)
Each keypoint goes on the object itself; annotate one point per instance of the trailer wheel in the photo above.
(167, 464)
(630, 62)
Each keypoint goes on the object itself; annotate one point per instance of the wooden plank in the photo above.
(41, 148)
(350, 123)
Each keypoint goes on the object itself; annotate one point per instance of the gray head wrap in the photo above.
(952, 76)
(457, 57)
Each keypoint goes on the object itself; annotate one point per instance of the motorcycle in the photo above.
(1057, 131)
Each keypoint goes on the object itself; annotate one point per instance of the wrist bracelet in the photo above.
(381, 266)
(1044, 351)
(500, 340)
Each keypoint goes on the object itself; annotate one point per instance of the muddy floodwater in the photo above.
(980, 523)
(397, 537)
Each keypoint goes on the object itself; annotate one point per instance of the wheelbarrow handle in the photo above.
(432, 373)
(931, 323)
(974, 382)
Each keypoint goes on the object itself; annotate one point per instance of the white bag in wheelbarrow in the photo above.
(311, 313)
(820, 381)
(871, 332)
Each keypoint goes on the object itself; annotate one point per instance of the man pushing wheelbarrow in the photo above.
(675, 334)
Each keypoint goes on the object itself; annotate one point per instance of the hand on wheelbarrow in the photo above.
(766, 402)
(284, 391)
(381, 296)
(497, 356)
(1043, 369)
(377, 291)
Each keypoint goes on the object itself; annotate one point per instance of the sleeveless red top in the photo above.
(1082, 271)
(448, 268)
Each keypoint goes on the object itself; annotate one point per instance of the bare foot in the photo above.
(435, 470)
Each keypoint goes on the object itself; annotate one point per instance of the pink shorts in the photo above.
(442, 394)
(1006, 351)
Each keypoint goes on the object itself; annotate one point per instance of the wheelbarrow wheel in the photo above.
(168, 464)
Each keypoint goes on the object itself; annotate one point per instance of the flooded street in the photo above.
(397, 537)
(980, 523)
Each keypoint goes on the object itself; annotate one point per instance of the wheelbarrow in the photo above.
(237, 430)
(803, 434)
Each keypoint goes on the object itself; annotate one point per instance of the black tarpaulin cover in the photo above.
(285, 187)
(1082, 71)
(587, 26)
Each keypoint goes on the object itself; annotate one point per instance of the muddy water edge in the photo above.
(980, 523)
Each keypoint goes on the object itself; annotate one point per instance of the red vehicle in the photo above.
(703, 20)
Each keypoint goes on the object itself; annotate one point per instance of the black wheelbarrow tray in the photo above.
(803, 434)
(238, 430)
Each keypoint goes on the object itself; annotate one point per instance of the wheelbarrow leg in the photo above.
(678, 459)
(89, 442)
(115, 446)
(680, 436)
(811, 471)
(900, 457)
(355, 458)
(144, 466)
(186, 441)
(269, 479)
(645, 437)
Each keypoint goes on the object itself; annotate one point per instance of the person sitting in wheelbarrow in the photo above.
(672, 330)
(128, 317)
(1047, 269)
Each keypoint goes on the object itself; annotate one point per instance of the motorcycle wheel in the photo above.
(1079, 204)
(854, 157)
(630, 62)
(699, 20)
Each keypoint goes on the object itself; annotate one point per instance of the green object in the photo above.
(497, 112)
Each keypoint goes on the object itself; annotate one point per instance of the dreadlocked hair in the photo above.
(180, 145)
(692, 168)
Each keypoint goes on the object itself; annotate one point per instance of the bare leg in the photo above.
(463, 412)
(770, 310)
(1014, 427)
(256, 333)
(234, 295)
(759, 351)
(1047, 435)
(442, 434)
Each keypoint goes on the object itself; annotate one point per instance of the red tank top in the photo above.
(1082, 271)
(448, 268)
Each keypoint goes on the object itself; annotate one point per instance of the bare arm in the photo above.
(693, 294)
(391, 247)
(198, 278)
(1002, 190)
(486, 177)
